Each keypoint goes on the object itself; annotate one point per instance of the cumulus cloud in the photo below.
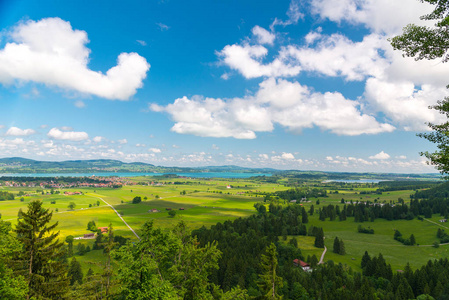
(98, 139)
(336, 55)
(15, 131)
(51, 52)
(248, 60)
(58, 134)
(380, 155)
(123, 141)
(155, 150)
(263, 36)
(277, 101)
(377, 15)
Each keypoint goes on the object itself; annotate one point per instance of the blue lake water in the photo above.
(106, 174)
(356, 180)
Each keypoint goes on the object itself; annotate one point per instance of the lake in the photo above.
(355, 180)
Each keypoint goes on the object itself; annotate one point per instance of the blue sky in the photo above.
(309, 85)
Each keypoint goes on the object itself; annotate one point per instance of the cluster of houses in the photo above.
(101, 182)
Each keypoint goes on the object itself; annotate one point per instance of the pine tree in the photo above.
(75, 273)
(319, 238)
(365, 260)
(39, 260)
(336, 245)
(305, 218)
(412, 240)
(269, 282)
(342, 250)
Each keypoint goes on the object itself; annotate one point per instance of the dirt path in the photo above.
(118, 215)
(322, 256)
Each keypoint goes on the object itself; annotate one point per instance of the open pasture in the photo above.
(204, 202)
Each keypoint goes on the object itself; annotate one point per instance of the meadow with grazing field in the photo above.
(204, 202)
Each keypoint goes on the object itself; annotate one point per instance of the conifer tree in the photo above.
(305, 218)
(342, 250)
(412, 240)
(336, 245)
(39, 262)
(75, 273)
(270, 282)
(319, 238)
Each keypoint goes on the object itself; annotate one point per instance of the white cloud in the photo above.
(80, 104)
(155, 150)
(141, 42)
(377, 15)
(215, 147)
(278, 101)
(57, 134)
(380, 155)
(263, 36)
(293, 13)
(123, 141)
(162, 26)
(287, 156)
(336, 55)
(248, 60)
(225, 76)
(49, 51)
(15, 131)
(2, 126)
(98, 139)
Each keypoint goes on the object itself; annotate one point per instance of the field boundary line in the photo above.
(118, 215)
(435, 223)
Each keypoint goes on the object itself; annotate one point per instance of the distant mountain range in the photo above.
(24, 165)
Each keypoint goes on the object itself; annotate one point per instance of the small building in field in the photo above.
(168, 208)
(181, 208)
(103, 229)
(305, 266)
(154, 210)
(89, 235)
(443, 220)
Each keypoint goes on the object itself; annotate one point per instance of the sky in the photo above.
(297, 84)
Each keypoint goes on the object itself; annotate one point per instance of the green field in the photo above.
(208, 201)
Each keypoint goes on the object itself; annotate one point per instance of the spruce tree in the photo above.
(305, 218)
(365, 259)
(342, 250)
(40, 260)
(319, 238)
(270, 282)
(336, 245)
(412, 240)
(75, 273)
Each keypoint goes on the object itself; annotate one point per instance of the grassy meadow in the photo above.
(208, 201)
